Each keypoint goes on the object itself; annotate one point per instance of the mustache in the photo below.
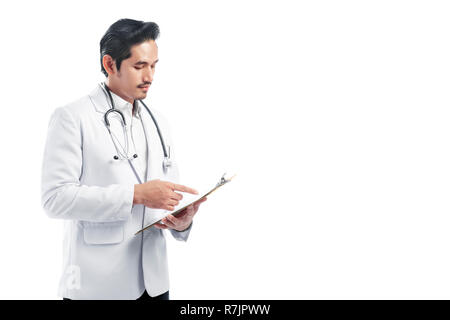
(144, 84)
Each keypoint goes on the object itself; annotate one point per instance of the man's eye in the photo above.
(137, 68)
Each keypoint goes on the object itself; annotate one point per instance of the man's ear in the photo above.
(109, 64)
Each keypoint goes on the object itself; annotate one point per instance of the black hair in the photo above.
(122, 35)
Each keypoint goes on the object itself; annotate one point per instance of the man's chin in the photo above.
(141, 96)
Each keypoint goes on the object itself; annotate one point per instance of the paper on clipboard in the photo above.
(222, 182)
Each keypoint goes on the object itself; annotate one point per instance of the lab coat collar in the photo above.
(102, 104)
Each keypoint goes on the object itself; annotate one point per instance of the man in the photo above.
(107, 180)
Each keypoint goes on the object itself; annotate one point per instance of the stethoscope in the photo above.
(123, 154)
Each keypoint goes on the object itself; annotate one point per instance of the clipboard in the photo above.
(222, 182)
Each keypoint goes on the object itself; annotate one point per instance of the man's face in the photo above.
(136, 73)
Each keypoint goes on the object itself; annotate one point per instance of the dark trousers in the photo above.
(145, 297)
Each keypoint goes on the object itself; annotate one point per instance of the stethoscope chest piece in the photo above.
(167, 163)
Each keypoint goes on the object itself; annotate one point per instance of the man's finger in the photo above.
(170, 221)
(192, 213)
(173, 203)
(176, 196)
(180, 187)
(168, 208)
(181, 214)
(198, 203)
(160, 226)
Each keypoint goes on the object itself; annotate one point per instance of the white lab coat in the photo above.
(93, 193)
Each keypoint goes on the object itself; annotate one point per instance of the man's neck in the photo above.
(116, 91)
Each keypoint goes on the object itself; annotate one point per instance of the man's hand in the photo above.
(183, 220)
(159, 194)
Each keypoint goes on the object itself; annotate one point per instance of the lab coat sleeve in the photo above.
(62, 194)
(182, 235)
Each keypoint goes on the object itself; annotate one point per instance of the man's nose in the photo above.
(148, 75)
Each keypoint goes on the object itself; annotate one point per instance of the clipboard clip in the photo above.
(223, 180)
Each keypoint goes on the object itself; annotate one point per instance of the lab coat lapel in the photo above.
(99, 101)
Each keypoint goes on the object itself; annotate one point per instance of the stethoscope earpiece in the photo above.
(117, 157)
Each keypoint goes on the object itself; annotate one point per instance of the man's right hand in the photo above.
(159, 194)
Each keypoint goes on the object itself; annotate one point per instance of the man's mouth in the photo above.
(144, 88)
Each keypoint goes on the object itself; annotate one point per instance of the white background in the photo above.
(333, 114)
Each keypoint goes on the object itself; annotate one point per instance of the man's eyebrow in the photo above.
(144, 62)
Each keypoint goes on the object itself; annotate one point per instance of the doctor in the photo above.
(108, 176)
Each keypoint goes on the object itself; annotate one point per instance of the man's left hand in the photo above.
(183, 220)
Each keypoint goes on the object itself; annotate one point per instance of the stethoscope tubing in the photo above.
(157, 129)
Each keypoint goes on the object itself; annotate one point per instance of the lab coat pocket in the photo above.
(103, 234)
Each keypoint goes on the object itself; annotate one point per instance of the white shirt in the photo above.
(136, 135)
